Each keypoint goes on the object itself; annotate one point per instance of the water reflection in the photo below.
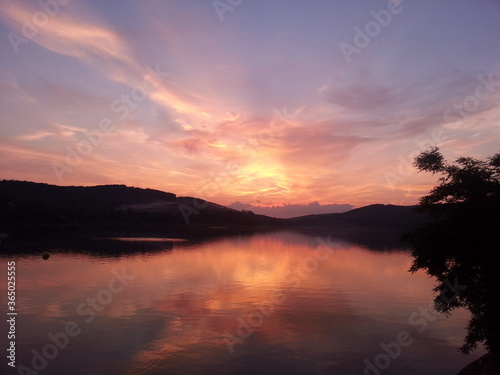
(283, 305)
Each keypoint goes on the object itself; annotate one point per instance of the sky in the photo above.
(266, 103)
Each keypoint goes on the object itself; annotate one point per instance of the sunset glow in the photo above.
(260, 104)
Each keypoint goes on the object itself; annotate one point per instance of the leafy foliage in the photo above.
(461, 241)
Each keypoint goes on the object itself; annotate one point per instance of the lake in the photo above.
(271, 303)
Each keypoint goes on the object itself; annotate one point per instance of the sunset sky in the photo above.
(261, 102)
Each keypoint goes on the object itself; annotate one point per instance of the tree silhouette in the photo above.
(460, 243)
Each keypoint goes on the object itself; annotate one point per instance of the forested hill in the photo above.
(375, 217)
(89, 197)
(23, 202)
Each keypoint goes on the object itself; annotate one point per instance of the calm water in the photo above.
(261, 304)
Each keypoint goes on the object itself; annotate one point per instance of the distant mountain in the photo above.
(293, 210)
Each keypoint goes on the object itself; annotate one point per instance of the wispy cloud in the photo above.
(212, 89)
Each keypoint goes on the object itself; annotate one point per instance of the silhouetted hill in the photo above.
(377, 226)
(376, 216)
(119, 207)
(101, 196)
(23, 202)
